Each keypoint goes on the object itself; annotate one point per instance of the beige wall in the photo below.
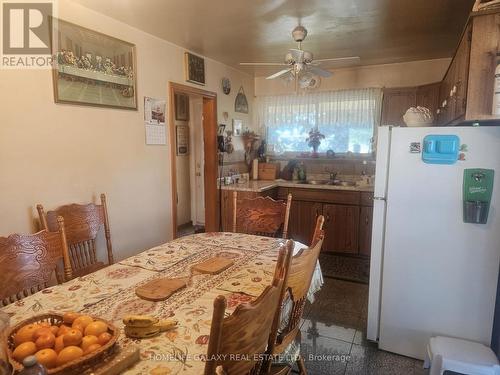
(55, 154)
(389, 75)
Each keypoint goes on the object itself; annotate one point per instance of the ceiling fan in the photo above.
(301, 65)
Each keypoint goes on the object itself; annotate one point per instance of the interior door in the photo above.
(199, 157)
(341, 228)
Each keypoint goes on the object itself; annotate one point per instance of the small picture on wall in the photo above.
(195, 68)
(181, 107)
(182, 139)
(237, 127)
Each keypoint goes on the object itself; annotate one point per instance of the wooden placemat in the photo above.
(213, 266)
(161, 289)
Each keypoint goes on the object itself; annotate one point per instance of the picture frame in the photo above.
(194, 68)
(181, 102)
(237, 127)
(92, 68)
(182, 140)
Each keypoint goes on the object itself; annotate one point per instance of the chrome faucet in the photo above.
(333, 175)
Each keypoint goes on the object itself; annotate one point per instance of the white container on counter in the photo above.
(255, 169)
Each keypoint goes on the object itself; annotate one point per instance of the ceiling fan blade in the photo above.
(262, 64)
(318, 71)
(352, 59)
(280, 73)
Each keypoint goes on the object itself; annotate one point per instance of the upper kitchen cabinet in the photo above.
(395, 104)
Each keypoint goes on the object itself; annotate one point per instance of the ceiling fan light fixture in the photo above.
(299, 33)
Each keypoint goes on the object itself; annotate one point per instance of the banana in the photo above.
(142, 332)
(139, 321)
(166, 324)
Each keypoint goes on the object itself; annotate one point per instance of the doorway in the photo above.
(193, 131)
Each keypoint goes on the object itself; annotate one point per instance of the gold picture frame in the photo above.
(92, 68)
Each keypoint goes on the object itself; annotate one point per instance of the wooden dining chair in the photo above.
(28, 262)
(83, 222)
(318, 230)
(261, 216)
(245, 333)
(299, 271)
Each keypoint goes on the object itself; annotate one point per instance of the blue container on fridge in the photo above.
(441, 149)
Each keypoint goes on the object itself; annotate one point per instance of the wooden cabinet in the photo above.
(341, 228)
(303, 220)
(428, 96)
(395, 104)
(365, 230)
(397, 101)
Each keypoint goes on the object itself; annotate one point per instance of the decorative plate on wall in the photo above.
(226, 85)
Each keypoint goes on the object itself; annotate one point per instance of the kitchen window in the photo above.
(347, 118)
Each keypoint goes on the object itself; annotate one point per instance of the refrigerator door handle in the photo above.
(379, 199)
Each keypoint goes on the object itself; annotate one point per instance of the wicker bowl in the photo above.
(78, 366)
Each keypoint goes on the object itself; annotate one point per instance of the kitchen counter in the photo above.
(259, 186)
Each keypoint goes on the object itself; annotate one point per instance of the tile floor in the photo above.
(335, 326)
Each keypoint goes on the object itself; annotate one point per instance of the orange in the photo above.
(91, 348)
(88, 340)
(59, 344)
(44, 324)
(69, 317)
(45, 341)
(47, 357)
(62, 330)
(96, 328)
(104, 338)
(72, 337)
(54, 330)
(40, 332)
(83, 320)
(25, 334)
(68, 354)
(23, 350)
(79, 327)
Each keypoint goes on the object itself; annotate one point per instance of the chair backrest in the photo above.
(261, 216)
(245, 332)
(82, 222)
(28, 261)
(318, 230)
(298, 276)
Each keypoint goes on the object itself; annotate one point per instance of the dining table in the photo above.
(109, 294)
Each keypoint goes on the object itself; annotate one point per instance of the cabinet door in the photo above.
(303, 220)
(341, 228)
(396, 103)
(428, 96)
(365, 230)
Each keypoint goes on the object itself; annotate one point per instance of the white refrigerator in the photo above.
(431, 273)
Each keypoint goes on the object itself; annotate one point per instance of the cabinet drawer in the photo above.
(326, 196)
(283, 193)
(366, 199)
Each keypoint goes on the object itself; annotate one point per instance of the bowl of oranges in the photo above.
(63, 343)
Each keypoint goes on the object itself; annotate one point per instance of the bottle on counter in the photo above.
(32, 367)
(255, 169)
(496, 91)
(301, 172)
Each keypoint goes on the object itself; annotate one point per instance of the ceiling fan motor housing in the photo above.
(299, 33)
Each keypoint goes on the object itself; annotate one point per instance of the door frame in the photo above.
(210, 162)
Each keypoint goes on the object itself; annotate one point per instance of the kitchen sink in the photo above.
(329, 182)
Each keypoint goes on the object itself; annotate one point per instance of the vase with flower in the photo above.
(314, 141)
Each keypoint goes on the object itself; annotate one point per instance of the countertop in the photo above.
(260, 186)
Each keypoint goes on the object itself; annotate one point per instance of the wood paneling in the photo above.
(484, 47)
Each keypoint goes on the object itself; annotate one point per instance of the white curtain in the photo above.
(347, 118)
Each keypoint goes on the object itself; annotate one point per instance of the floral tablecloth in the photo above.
(110, 294)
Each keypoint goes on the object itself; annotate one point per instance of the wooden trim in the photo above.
(210, 146)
